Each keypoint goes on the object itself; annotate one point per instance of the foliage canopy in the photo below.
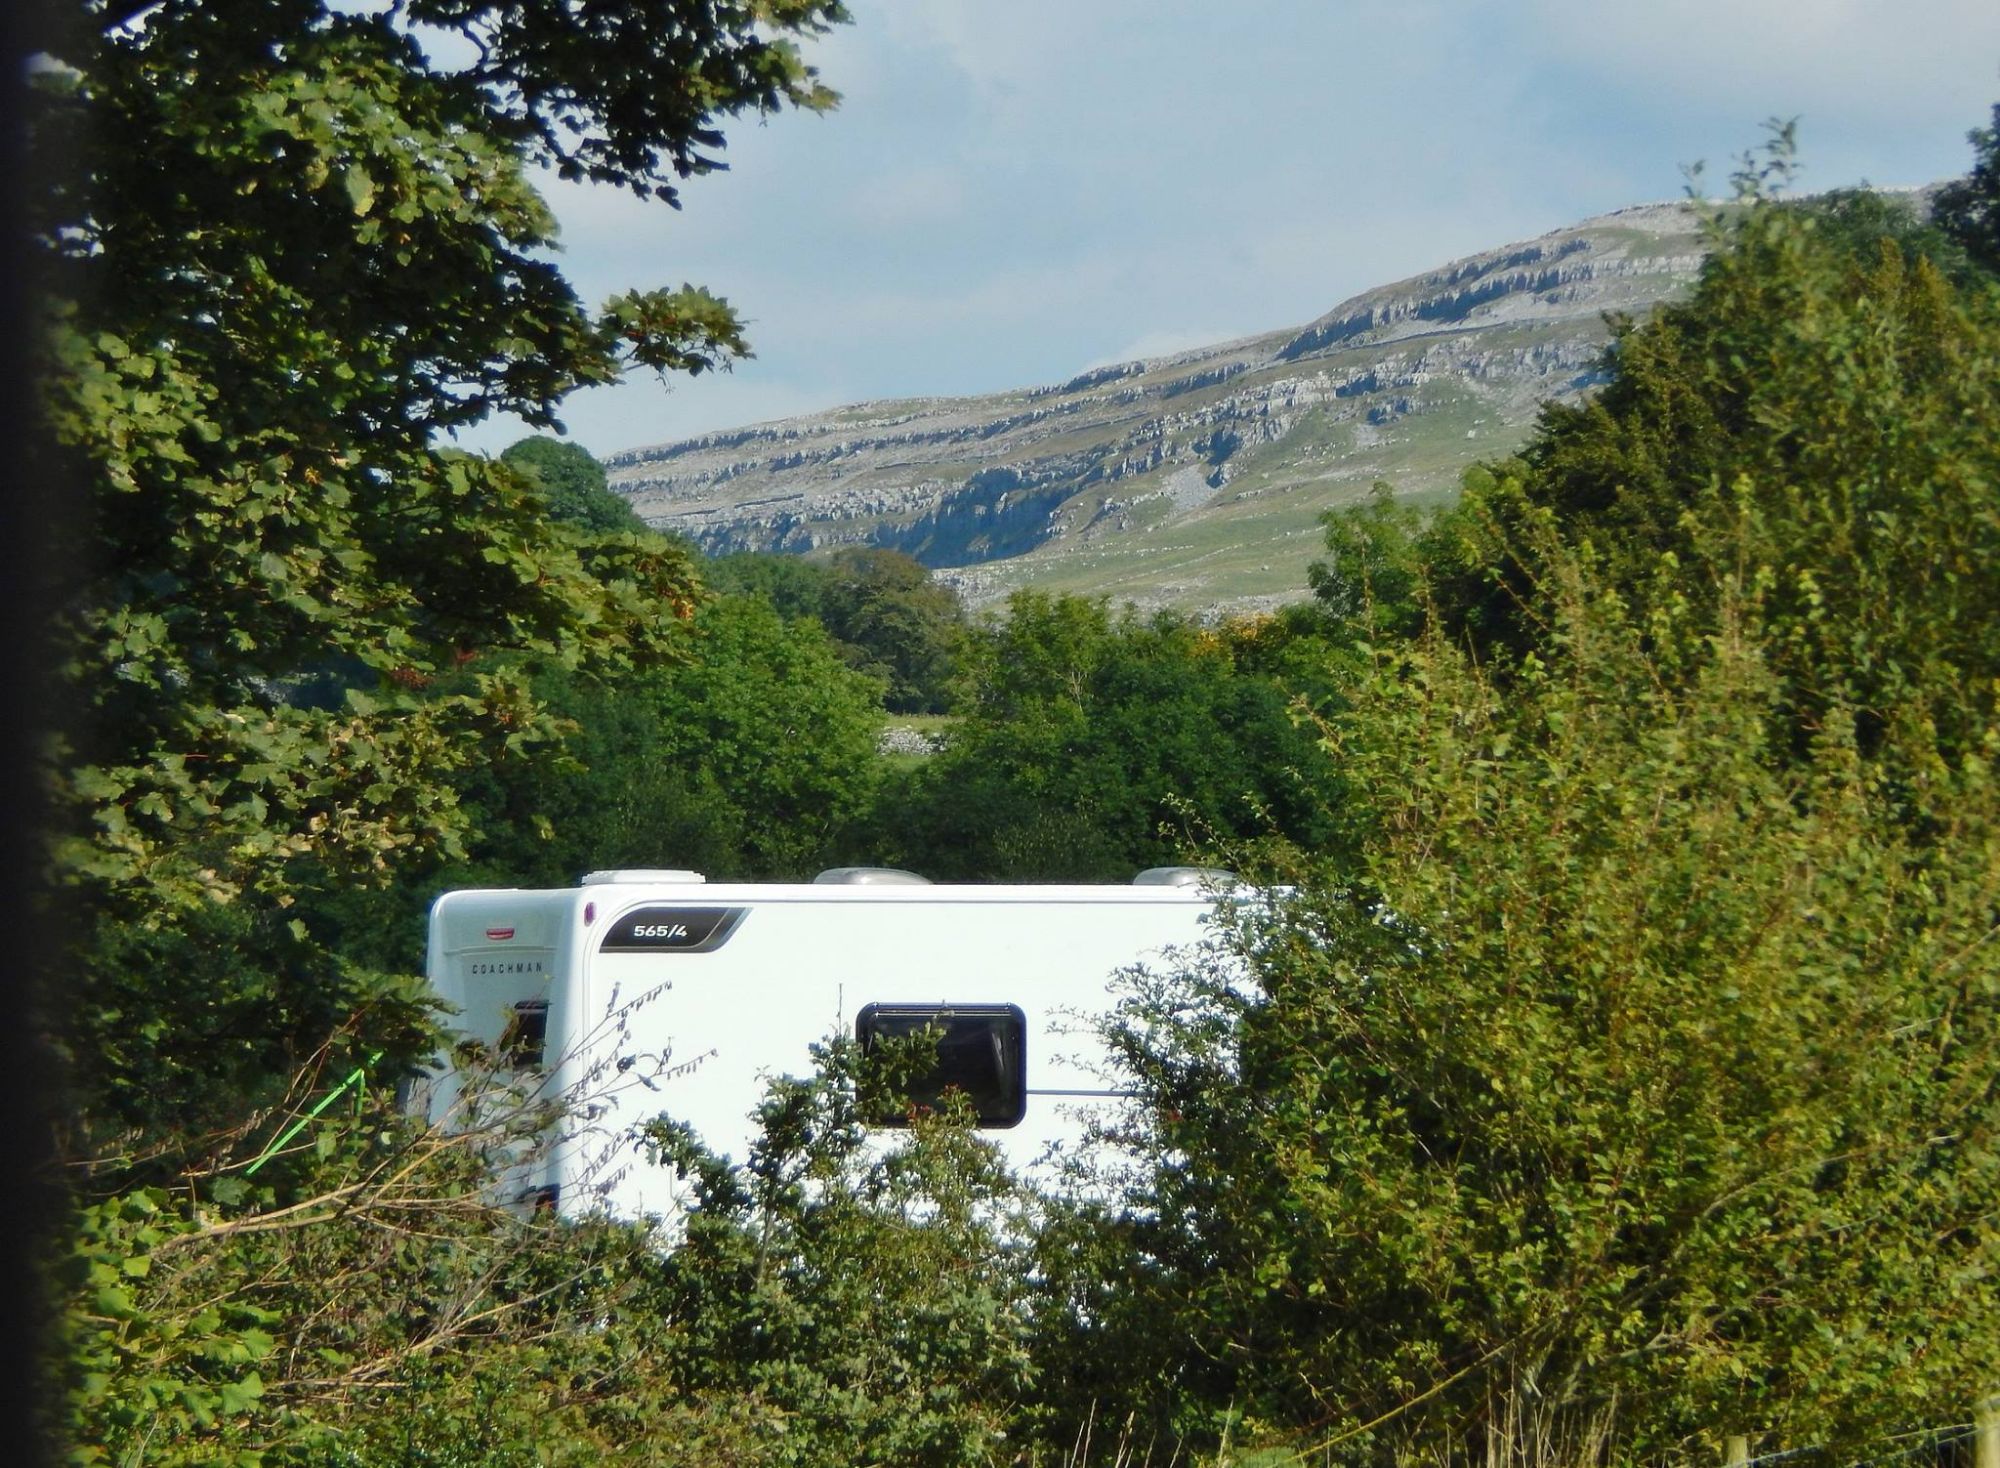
(1825, 414)
(281, 254)
(1632, 1083)
(881, 607)
(574, 484)
(748, 759)
(1090, 746)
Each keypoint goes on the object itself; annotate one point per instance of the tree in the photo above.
(749, 759)
(889, 617)
(795, 586)
(1090, 747)
(900, 624)
(1968, 209)
(288, 252)
(1380, 555)
(1860, 221)
(293, 252)
(1634, 1088)
(1835, 410)
(574, 484)
(1629, 1081)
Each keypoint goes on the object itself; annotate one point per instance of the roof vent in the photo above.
(1185, 877)
(869, 877)
(620, 876)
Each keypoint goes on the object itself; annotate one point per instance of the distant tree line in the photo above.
(1082, 744)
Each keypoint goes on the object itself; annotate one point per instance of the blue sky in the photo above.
(1013, 190)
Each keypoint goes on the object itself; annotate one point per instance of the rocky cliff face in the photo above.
(1194, 478)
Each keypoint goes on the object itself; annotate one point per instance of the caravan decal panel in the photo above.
(672, 930)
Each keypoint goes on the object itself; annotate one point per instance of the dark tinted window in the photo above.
(981, 1051)
(526, 1035)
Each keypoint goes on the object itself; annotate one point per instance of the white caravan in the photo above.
(638, 993)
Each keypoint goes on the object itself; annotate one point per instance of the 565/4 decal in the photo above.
(672, 930)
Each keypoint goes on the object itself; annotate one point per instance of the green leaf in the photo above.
(237, 1397)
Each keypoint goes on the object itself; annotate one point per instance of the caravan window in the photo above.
(981, 1051)
(526, 1035)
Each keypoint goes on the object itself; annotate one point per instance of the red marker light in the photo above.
(498, 935)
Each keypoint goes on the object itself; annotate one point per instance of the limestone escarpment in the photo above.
(1210, 450)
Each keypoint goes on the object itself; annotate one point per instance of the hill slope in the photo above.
(1194, 479)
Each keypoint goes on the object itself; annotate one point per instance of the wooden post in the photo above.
(1736, 1451)
(1986, 1434)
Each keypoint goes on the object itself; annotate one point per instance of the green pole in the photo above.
(353, 1078)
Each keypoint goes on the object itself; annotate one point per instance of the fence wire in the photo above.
(1949, 1446)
